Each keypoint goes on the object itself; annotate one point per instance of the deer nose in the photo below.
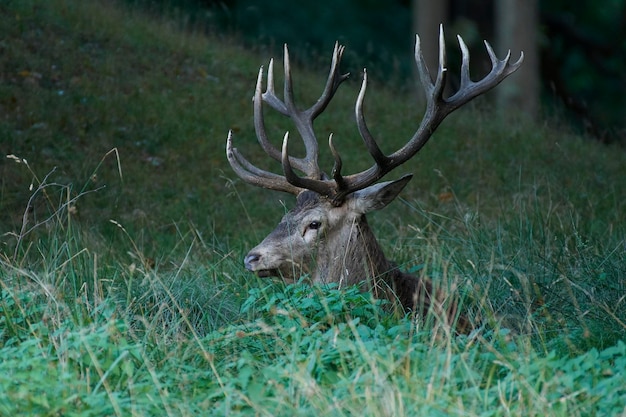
(250, 260)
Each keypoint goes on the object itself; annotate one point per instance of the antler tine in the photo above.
(335, 78)
(336, 172)
(270, 96)
(500, 69)
(438, 107)
(308, 164)
(288, 85)
(319, 186)
(368, 139)
(465, 76)
(442, 71)
(303, 120)
(253, 175)
(424, 74)
(259, 121)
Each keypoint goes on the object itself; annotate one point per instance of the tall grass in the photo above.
(534, 271)
(119, 333)
(122, 290)
(294, 350)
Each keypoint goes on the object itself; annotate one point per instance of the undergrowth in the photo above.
(298, 351)
(119, 333)
(121, 285)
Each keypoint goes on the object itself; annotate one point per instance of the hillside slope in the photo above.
(122, 290)
(131, 113)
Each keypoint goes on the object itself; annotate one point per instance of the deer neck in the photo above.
(352, 256)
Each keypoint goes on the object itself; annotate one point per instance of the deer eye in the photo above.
(314, 225)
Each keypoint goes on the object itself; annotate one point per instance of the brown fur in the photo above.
(346, 252)
(413, 293)
(326, 235)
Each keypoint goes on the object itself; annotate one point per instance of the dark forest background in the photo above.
(579, 69)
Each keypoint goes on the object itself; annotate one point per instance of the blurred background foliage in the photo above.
(581, 45)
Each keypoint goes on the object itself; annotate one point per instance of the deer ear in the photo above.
(377, 196)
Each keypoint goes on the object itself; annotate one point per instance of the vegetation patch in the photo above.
(122, 290)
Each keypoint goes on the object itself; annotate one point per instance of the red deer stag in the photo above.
(326, 235)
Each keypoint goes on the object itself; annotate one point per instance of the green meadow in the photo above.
(123, 230)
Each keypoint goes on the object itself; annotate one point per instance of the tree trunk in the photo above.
(516, 29)
(427, 16)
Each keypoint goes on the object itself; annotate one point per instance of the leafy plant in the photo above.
(132, 300)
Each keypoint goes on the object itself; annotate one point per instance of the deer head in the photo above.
(326, 234)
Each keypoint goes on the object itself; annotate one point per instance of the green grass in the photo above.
(123, 229)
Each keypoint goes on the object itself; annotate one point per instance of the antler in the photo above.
(337, 188)
(303, 120)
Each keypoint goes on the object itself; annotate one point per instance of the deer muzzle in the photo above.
(252, 262)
